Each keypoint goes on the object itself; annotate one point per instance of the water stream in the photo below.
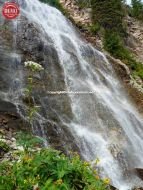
(105, 123)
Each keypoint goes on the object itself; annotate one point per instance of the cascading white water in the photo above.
(105, 124)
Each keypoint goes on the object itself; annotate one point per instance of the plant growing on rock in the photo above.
(33, 68)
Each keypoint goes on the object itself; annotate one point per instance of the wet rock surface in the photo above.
(139, 172)
(22, 44)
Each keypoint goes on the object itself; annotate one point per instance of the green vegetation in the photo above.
(48, 169)
(4, 147)
(94, 28)
(137, 69)
(109, 14)
(108, 17)
(32, 108)
(114, 44)
(27, 141)
(137, 9)
(83, 3)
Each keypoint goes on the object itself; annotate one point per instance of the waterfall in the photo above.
(105, 124)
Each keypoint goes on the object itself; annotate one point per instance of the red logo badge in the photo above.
(10, 10)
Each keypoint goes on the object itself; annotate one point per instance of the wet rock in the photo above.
(59, 136)
(113, 188)
(139, 172)
(32, 44)
(6, 106)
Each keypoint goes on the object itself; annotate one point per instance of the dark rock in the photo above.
(137, 188)
(113, 188)
(139, 172)
(58, 139)
(33, 44)
(6, 106)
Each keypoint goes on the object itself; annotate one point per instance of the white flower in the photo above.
(33, 66)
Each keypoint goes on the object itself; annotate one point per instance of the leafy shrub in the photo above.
(33, 68)
(109, 14)
(137, 9)
(113, 43)
(49, 170)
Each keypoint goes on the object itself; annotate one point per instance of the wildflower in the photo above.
(33, 66)
(97, 177)
(27, 158)
(36, 187)
(97, 161)
(86, 163)
(38, 177)
(31, 181)
(59, 182)
(25, 181)
(30, 79)
(106, 181)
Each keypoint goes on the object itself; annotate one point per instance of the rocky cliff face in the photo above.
(21, 41)
(135, 37)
